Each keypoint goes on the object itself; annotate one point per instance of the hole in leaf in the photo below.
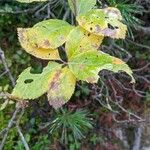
(110, 26)
(37, 70)
(28, 81)
(116, 27)
(91, 28)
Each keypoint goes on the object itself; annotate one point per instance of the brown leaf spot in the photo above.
(97, 29)
(95, 46)
(62, 38)
(54, 84)
(57, 102)
(109, 32)
(117, 61)
(82, 49)
(46, 43)
(21, 34)
(113, 12)
(91, 80)
(82, 67)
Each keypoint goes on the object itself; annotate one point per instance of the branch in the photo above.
(139, 45)
(20, 106)
(144, 30)
(20, 132)
(11, 97)
(22, 138)
(10, 124)
(2, 57)
(14, 121)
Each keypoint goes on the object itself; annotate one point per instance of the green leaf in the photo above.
(103, 22)
(43, 38)
(31, 86)
(81, 6)
(30, 1)
(80, 40)
(87, 65)
(50, 33)
(61, 87)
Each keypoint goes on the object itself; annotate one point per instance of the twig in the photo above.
(20, 132)
(3, 131)
(22, 138)
(66, 15)
(10, 124)
(139, 45)
(2, 57)
(5, 72)
(123, 50)
(9, 96)
(19, 108)
(144, 30)
(75, 6)
(141, 69)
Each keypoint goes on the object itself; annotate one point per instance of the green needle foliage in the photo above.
(68, 123)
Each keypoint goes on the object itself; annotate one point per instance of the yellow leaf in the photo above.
(61, 87)
(120, 29)
(25, 39)
(106, 22)
(117, 61)
(50, 33)
(113, 12)
(79, 40)
(93, 21)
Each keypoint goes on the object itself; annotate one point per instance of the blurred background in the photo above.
(112, 115)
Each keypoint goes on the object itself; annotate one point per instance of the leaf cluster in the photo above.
(59, 78)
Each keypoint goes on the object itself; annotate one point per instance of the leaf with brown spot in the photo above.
(117, 61)
(61, 87)
(86, 66)
(93, 21)
(79, 40)
(50, 33)
(104, 22)
(31, 86)
(113, 12)
(25, 38)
